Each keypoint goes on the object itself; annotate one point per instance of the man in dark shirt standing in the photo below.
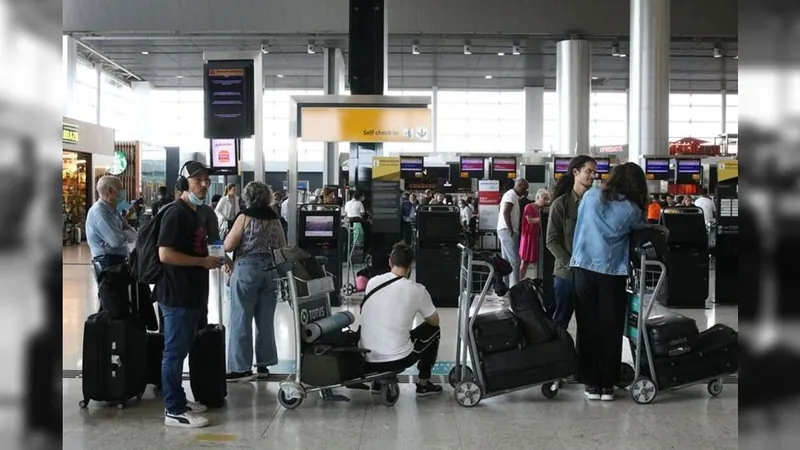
(161, 202)
(182, 292)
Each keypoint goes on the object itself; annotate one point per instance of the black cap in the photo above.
(194, 169)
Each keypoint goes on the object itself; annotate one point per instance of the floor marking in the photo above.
(217, 437)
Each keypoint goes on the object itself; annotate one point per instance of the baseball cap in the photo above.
(195, 169)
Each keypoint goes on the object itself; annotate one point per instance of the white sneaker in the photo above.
(185, 420)
(607, 395)
(197, 408)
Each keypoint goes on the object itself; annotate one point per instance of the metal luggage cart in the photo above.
(312, 307)
(470, 383)
(349, 287)
(649, 282)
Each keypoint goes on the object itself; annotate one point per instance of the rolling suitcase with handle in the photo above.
(114, 358)
(672, 334)
(207, 366)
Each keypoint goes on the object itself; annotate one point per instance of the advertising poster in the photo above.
(488, 204)
(223, 156)
(386, 194)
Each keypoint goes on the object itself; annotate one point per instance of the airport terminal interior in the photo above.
(390, 120)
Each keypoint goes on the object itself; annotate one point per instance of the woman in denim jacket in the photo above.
(599, 266)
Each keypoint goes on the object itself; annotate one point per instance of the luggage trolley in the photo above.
(645, 386)
(349, 287)
(470, 385)
(317, 305)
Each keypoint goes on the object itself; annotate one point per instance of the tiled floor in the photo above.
(253, 418)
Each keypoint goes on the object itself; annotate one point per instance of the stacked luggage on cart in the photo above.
(509, 350)
(669, 351)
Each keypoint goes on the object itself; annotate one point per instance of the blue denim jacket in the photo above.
(601, 238)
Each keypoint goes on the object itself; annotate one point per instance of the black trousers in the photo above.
(600, 304)
(426, 348)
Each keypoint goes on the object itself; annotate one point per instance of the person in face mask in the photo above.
(182, 292)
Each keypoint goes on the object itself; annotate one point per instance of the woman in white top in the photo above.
(354, 208)
(227, 209)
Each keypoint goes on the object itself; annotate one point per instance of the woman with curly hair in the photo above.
(599, 266)
(253, 236)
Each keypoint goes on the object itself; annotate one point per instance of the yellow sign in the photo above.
(69, 133)
(351, 124)
(386, 168)
(727, 169)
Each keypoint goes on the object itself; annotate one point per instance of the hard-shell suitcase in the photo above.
(498, 331)
(672, 334)
(532, 364)
(207, 366)
(114, 359)
(718, 337)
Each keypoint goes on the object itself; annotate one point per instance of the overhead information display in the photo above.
(374, 124)
(228, 90)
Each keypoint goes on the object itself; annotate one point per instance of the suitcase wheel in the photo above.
(348, 289)
(286, 402)
(643, 390)
(390, 394)
(83, 404)
(455, 373)
(468, 394)
(715, 387)
(626, 375)
(550, 390)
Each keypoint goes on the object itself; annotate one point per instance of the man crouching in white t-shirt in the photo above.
(387, 316)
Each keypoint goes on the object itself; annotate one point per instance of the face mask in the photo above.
(195, 200)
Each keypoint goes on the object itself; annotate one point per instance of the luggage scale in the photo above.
(311, 308)
(470, 385)
(642, 298)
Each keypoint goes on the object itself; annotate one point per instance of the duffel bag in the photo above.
(672, 334)
(498, 331)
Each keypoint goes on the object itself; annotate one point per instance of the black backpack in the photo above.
(533, 306)
(146, 265)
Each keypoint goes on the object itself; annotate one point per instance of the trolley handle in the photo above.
(662, 276)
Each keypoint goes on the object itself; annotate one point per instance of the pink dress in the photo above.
(529, 234)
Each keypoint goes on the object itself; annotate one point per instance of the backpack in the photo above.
(146, 264)
(530, 303)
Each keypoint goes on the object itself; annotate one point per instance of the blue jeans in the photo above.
(565, 300)
(253, 297)
(509, 248)
(180, 327)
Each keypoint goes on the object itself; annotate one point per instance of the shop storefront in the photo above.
(88, 151)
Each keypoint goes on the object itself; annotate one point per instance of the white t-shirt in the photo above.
(707, 205)
(509, 197)
(354, 208)
(388, 317)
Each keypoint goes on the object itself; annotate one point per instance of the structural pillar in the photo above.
(333, 85)
(70, 60)
(368, 40)
(648, 99)
(534, 118)
(574, 88)
(434, 119)
(98, 70)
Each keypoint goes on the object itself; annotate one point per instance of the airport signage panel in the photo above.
(69, 134)
(657, 169)
(228, 88)
(373, 124)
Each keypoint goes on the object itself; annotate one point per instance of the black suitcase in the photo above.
(155, 354)
(672, 334)
(498, 331)
(718, 337)
(207, 366)
(114, 360)
(696, 366)
(531, 365)
(327, 365)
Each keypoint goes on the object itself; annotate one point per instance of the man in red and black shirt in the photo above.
(182, 292)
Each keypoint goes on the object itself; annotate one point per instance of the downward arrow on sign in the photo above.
(422, 132)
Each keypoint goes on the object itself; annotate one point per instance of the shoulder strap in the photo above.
(378, 288)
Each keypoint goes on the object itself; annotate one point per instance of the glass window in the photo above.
(481, 121)
(695, 115)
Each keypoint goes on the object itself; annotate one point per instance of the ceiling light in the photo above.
(736, 57)
(415, 48)
(488, 77)
(516, 50)
(467, 49)
(311, 49)
(178, 76)
(265, 48)
(501, 54)
(145, 53)
(595, 78)
(623, 55)
(717, 51)
(280, 75)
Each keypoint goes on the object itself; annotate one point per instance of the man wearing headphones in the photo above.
(182, 292)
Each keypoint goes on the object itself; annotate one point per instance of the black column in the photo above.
(173, 165)
(367, 76)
